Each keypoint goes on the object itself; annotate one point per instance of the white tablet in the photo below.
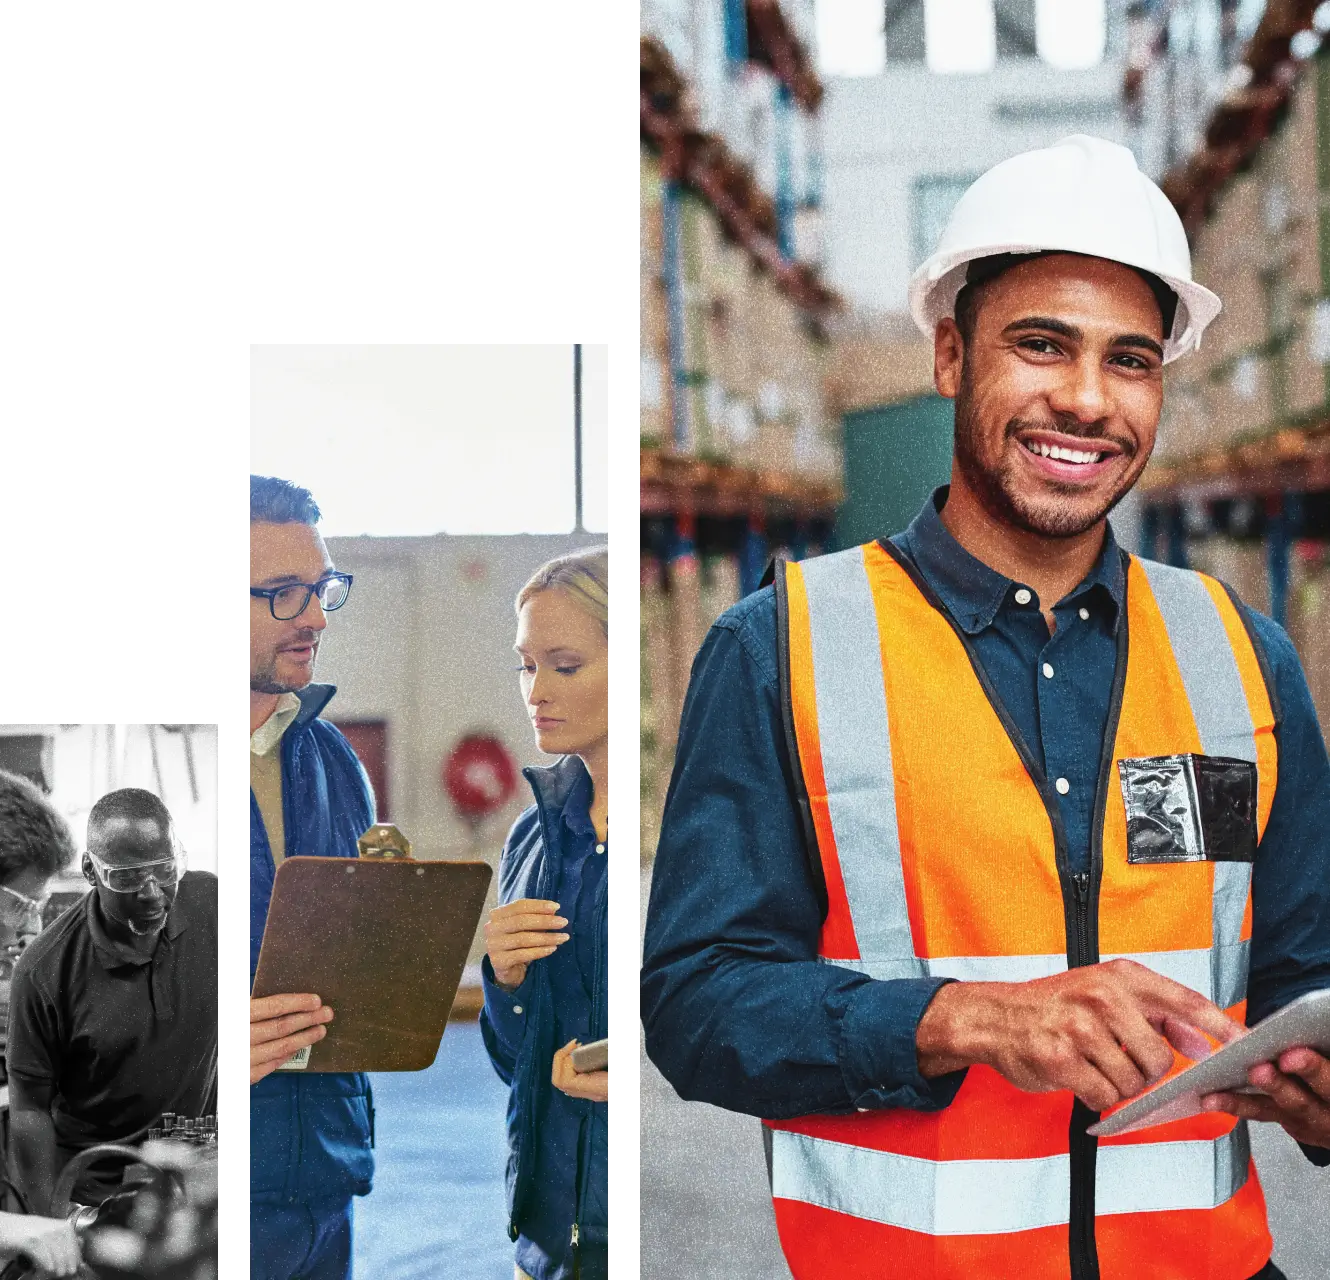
(1303, 1023)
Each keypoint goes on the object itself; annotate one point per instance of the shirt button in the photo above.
(1023, 596)
(1063, 786)
(600, 848)
(1048, 671)
(1085, 615)
(517, 1008)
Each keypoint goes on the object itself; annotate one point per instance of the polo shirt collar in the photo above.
(115, 954)
(972, 592)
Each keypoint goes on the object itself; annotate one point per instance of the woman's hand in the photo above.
(520, 932)
(280, 1026)
(594, 1085)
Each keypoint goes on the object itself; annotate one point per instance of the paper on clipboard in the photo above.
(383, 942)
(1302, 1023)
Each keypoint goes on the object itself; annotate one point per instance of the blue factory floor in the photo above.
(438, 1208)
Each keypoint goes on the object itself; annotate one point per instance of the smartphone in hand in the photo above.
(591, 1057)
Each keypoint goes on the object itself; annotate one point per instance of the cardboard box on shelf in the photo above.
(1241, 564)
(656, 698)
(1309, 622)
(720, 585)
(651, 234)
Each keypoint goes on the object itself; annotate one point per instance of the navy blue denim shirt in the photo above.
(739, 1013)
(558, 1146)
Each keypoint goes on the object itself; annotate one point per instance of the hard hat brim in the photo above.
(934, 286)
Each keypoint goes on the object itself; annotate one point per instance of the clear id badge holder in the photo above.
(1189, 808)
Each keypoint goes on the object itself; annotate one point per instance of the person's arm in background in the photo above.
(32, 1140)
(33, 1054)
(1290, 951)
(738, 1010)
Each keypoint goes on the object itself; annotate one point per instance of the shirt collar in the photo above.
(971, 591)
(577, 807)
(265, 739)
(115, 954)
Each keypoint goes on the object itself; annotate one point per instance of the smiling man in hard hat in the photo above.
(929, 894)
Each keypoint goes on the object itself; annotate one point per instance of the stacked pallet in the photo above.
(1262, 368)
(681, 597)
(736, 373)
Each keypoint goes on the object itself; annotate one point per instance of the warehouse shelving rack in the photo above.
(1276, 488)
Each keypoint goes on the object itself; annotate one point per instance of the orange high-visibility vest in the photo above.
(943, 853)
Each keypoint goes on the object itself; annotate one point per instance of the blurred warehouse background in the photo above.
(799, 158)
(446, 476)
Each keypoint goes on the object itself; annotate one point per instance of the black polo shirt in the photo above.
(120, 1037)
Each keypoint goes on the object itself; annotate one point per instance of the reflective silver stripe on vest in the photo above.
(1219, 976)
(1223, 720)
(988, 1197)
(856, 753)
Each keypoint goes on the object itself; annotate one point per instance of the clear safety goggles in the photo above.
(164, 872)
(19, 912)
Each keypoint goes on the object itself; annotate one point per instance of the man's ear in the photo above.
(948, 358)
(89, 874)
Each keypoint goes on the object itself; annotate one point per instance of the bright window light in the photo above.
(1070, 34)
(596, 438)
(415, 440)
(960, 35)
(849, 37)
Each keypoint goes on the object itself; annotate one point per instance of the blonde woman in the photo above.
(545, 967)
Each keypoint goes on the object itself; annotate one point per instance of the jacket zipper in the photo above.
(535, 1027)
(584, 1136)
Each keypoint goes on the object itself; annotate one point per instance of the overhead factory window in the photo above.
(960, 35)
(850, 37)
(403, 440)
(1070, 34)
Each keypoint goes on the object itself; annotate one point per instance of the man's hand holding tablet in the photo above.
(1285, 1058)
(1296, 1093)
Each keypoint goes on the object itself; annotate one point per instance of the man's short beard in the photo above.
(266, 681)
(1000, 498)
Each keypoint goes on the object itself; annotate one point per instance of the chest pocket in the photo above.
(1189, 808)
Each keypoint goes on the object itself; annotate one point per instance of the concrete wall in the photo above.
(425, 643)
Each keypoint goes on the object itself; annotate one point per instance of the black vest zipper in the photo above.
(1083, 1148)
(1080, 898)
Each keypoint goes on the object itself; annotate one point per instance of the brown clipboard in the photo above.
(383, 941)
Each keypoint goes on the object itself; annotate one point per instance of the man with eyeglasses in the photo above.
(113, 1019)
(310, 1134)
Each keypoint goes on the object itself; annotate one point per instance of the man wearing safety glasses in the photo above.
(310, 1134)
(113, 1020)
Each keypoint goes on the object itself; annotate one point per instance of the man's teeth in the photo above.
(1063, 455)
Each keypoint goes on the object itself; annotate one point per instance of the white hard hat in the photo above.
(1081, 195)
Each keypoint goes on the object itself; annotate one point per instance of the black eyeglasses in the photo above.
(292, 600)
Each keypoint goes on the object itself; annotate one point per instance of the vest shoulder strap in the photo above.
(1214, 643)
(778, 569)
